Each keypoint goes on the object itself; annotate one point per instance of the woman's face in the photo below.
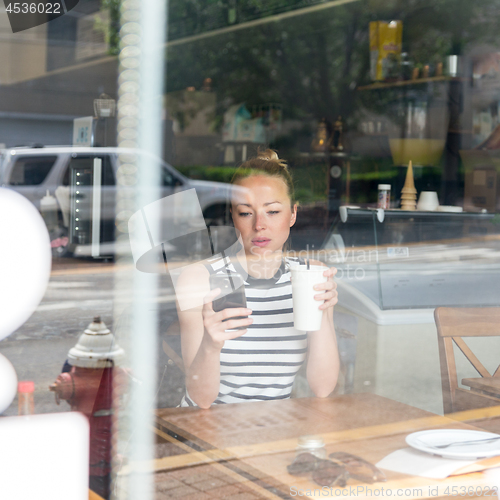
(263, 215)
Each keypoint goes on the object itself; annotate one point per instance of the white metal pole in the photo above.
(140, 106)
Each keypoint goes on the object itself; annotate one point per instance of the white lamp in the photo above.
(25, 262)
(8, 384)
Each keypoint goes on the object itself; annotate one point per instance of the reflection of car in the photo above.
(36, 172)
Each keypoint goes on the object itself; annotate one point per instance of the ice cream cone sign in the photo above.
(409, 193)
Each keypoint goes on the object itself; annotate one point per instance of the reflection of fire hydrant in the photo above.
(88, 388)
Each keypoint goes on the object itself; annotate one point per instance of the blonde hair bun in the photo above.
(271, 155)
(266, 163)
(268, 154)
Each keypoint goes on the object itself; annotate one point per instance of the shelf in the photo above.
(404, 83)
(325, 154)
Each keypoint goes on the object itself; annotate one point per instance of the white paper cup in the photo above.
(428, 201)
(306, 313)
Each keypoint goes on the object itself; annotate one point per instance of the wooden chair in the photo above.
(453, 324)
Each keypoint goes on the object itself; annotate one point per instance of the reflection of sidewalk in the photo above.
(69, 266)
(78, 290)
(40, 361)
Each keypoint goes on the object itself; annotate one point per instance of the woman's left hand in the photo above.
(330, 295)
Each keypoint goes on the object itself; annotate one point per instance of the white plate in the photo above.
(449, 208)
(458, 441)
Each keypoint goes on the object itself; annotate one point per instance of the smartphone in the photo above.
(232, 287)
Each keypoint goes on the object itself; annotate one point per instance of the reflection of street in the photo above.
(460, 272)
(78, 290)
(390, 291)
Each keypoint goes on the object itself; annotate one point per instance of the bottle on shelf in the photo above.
(384, 196)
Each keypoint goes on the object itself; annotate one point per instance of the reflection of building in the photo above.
(193, 115)
(23, 55)
(51, 74)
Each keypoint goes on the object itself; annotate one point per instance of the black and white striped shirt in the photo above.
(261, 364)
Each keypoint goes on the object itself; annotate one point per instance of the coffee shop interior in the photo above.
(129, 130)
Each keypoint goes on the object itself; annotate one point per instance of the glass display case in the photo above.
(415, 260)
(394, 268)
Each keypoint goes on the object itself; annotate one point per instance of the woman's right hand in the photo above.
(217, 330)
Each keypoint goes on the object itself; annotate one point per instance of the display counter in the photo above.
(394, 268)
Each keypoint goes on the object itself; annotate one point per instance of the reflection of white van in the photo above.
(34, 171)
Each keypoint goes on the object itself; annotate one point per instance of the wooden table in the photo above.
(256, 441)
(484, 385)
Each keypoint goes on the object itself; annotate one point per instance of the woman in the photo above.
(260, 360)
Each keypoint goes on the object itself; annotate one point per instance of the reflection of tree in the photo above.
(303, 64)
(191, 17)
(184, 106)
(311, 63)
(111, 31)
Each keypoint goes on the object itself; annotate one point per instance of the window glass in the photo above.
(31, 170)
(251, 141)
